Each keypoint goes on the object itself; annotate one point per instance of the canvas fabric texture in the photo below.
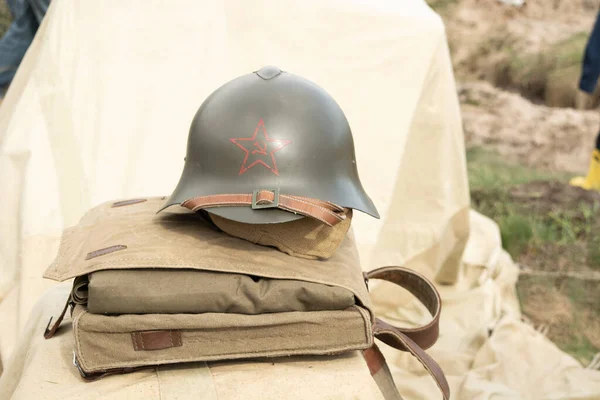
(46, 371)
(174, 262)
(153, 291)
(105, 342)
(305, 238)
(136, 237)
(124, 236)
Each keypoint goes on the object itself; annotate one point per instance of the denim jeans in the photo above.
(27, 15)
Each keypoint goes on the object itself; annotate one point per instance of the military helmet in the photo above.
(271, 147)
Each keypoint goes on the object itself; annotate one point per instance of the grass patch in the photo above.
(529, 206)
(581, 348)
(569, 51)
(560, 55)
(546, 225)
(521, 225)
(440, 6)
(593, 251)
(583, 294)
(516, 232)
(552, 75)
(569, 307)
(549, 76)
(490, 170)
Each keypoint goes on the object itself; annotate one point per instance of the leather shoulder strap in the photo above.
(425, 336)
(413, 340)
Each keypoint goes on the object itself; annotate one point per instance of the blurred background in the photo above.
(517, 66)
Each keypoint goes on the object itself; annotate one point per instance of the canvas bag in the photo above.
(129, 235)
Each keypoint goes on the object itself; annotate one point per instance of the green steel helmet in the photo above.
(271, 147)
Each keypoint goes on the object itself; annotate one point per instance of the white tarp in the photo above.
(100, 110)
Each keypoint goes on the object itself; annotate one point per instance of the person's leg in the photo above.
(39, 8)
(16, 40)
(592, 180)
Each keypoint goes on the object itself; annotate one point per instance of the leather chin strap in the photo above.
(324, 211)
(413, 340)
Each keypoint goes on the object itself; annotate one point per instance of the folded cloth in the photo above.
(162, 291)
(304, 238)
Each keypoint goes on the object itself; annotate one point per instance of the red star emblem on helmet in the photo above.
(260, 149)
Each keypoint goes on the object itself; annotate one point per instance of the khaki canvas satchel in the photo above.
(158, 289)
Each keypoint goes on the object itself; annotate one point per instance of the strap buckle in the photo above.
(273, 204)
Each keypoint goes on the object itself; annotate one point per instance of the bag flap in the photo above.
(129, 235)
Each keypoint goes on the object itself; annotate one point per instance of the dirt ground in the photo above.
(559, 139)
(471, 24)
(545, 197)
(511, 63)
(517, 71)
